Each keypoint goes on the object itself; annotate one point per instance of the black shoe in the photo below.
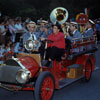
(49, 64)
(43, 62)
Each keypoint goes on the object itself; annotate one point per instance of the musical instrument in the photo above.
(59, 14)
(65, 28)
(31, 45)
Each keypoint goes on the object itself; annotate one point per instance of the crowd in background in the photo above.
(13, 30)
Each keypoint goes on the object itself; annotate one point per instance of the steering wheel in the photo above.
(48, 41)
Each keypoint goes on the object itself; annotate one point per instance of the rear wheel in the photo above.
(88, 70)
(44, 87)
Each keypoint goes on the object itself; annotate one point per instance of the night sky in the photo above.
(43, 8)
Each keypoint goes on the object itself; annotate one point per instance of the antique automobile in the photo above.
(26, 73)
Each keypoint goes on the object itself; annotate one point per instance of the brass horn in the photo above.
(59, 14)
(31, 45)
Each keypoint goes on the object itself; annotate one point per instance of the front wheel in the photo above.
(44, 87)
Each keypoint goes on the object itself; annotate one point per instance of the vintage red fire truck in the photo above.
(26, 73)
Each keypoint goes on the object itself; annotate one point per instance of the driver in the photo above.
(55, 49)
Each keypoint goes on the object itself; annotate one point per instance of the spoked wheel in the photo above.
(88, 70)
(44, 87)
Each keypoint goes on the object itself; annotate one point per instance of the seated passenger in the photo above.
(31, 34)
(89, 27)
(42, 32)
(74, 34)
(55, 49)
(89, 32)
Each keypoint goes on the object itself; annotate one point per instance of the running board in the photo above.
(68, 81)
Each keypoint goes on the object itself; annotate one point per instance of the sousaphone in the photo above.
(59, 14)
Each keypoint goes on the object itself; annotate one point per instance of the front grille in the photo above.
(8, 73)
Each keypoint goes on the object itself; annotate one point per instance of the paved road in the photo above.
(77, 91)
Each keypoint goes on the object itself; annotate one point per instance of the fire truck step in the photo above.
(68, 81)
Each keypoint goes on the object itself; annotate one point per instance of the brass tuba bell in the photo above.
(59, 14)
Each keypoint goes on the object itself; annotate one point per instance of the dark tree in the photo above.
(42, 8)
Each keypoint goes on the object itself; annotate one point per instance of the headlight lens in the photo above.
(23, 76)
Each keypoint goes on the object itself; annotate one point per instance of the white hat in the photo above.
(90, 21)
(75, 23)
(31, 23)
(44, 21)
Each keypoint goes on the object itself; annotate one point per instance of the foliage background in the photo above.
(42, 8)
